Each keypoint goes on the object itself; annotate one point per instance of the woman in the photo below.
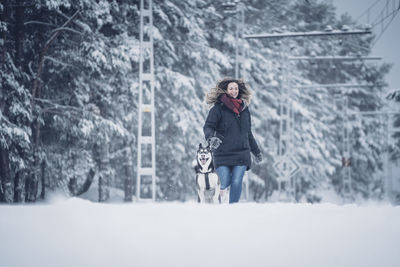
(228, 131)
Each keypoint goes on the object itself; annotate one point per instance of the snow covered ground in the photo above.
(78, 232)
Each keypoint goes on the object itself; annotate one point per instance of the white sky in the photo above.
(388, 45)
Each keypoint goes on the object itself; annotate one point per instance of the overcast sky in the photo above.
(388, 45)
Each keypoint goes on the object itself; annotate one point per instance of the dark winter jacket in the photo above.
(235, 133)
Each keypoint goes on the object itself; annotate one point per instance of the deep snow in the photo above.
(78, 232)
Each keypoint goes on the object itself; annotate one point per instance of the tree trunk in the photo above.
(128, 185)
(31, 183)
(73, 184)
(43, 180)
(31, 187)
(88, 182)
(19, 184)
(4, 18)
(33, 180)
(5, 174)
(6, 179)
(104, 191)
(19, 33)
(104, 177)
(101, 156)
(6, 186)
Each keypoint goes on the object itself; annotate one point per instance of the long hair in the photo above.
(221, 88)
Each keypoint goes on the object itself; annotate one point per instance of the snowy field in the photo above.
(78, 232)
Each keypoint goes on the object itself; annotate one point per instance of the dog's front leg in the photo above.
(200, 193)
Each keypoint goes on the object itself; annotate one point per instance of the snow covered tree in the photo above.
(15, 113)
(394, 150)
(318, 121)
(69, 97)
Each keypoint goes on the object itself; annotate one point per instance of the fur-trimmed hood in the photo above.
(214, 94)
(219, 102)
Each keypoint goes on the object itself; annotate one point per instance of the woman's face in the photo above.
(233, 89)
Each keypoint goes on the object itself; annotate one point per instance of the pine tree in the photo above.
(69, 98)
(15, 113)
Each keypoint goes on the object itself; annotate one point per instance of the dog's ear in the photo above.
(200, 145)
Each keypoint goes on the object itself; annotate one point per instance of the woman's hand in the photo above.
(214, 142)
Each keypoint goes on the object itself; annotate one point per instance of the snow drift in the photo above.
(77, 232)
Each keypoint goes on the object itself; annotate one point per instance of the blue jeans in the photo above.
(232, 176)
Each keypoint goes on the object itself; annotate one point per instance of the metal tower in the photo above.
(146, 161)
(286, 165)
(236, 8)
(346, 159)
(239, 55)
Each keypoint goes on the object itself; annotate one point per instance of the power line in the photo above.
(368, 10)
(393, 14)
(385, 9)
(388, 11)
(383, 30)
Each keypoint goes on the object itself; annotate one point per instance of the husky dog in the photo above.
(207, 180)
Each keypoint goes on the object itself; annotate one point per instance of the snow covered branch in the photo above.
(57, 61)
(39, 23)
(44, 51)
(77, 23)
(65, 29)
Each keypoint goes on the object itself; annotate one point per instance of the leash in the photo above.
(207, 181)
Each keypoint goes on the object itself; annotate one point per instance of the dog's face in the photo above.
(204, 156)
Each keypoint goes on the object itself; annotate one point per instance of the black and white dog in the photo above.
(207, 180)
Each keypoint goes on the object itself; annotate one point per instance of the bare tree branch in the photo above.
(77, 23)
(39, 23)
(66, 29)
(57, 61)
(43, 53)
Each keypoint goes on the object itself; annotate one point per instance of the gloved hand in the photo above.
(259, 158)
(214, 142)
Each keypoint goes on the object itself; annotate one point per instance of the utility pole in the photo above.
(286, 165)
(146, 175)
(239, 38)
(347, 191)
(236, 8)
(346, 147)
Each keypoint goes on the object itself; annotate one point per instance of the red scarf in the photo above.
(232, 103)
